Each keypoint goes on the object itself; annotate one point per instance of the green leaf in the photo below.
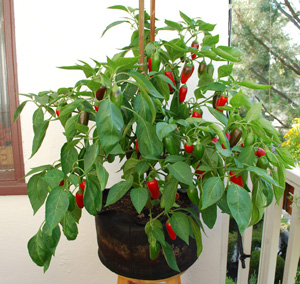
(174, 25)
(92, 197)
(240, 99)
(217, 129)
(215, 86)
(51, 238)
(182, 172)
(213, 191)
(169, 256)
(225, 70)
(145, 84)
(19, 110)
(39, 128)
(68, 109)
(90, 156)
(218, 115)
(56, 206)
(110, 124)
(169, 194)
(187, 19)
(209, 216)
(117, 191)
(174, 159)
(163, 129)
(239, 203)
(37, 190)
(158, 234)
(53, 177)
(149, 143)
(70, 130)
(280, 177)
(210, 40)
(39, 169)
(142, 167)
(113, 25)
(247, 156)
(269, 129)
(68, 158)
(129, 167)
(180, 225)
(225, 54)
(203, 26)
(69, 225)
(160, 82)
(176, 48)
(286, 156)
(197, 235)
(254, 86)
(139, 197)
(102, 175)
(263, 174)
(38, 250)
(254, 113)
(118, 7)
(142, 108)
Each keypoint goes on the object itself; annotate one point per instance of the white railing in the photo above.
(270, 240)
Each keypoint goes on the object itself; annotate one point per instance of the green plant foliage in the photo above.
(119, 112)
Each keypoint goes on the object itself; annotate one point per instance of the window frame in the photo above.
(16, 186)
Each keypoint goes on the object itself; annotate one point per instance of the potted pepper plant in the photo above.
(171, 152)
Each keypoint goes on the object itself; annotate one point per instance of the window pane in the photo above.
(6, 154)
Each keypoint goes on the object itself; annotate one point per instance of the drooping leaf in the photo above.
(180, 225)
(139, 197)
(117, 191)
(213, 191)
(182, 172)
(92, 197)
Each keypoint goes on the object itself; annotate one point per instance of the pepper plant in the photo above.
(156, 126)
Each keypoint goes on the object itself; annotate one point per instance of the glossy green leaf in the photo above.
(247, 156)
(92, 197)
(110, 124)
(163, 129)
(56, 206)
(254, 113)
(197, 234)
(19, 110)
(53, 178)
(69, 225)
(169, 194)
(149, 143)
(225, 70)
(181, 226)
(169, 256)
(213, 191)
(209, 216)
(139, 197)
(90, 156)
(254, 86)
(218, 115)
(182, 172)
(117, 191)
(238, 200)
(240, 99)
(102, 175)
(68, 158)
(37, 190)
(51, 237)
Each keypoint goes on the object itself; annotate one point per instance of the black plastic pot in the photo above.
(124, 249)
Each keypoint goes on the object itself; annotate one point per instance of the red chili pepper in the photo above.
(182, 93)
(197, 114)
(153, 188)
(228, 137)
(170, 76)
(187, 72)
(200, 174)
(189, 148)
(62, 183)
(137, 145)
(260, 152)
(79, 200)
(57, 112)
(170, 231)
(196, 45)
(236, 179)
(215, 140)
(96, 108)
(177, 195)
(150, 64)
(221, 102)
(82, 185)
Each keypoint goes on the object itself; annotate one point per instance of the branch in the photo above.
(272, 115)
(291, 19)
(273, 89)
(294, 67)
(288, 4)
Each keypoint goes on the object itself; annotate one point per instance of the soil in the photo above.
(125, 205)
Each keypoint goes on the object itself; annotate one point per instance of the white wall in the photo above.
(55, 33)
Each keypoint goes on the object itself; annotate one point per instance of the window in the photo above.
(11, 156)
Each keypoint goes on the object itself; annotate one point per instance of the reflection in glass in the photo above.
(6, 155)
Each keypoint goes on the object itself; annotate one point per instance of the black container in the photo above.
(124, 248)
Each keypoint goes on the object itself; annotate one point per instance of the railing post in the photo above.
(293, 249)
(270, 241)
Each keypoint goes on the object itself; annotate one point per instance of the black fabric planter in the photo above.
(124, 249)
